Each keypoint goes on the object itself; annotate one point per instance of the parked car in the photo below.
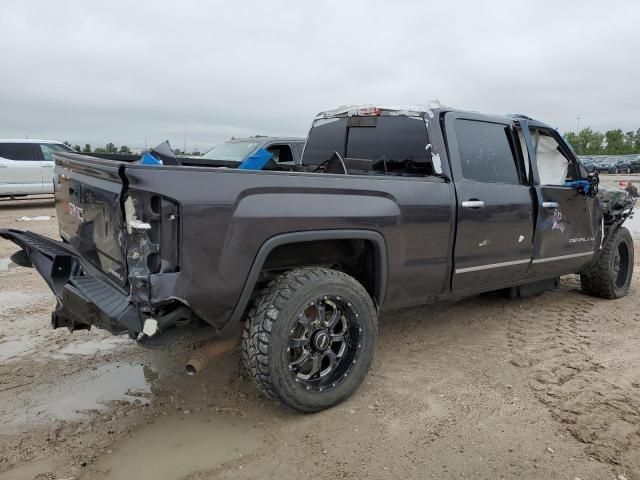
(634, 164)
(618, 164)
(285, 151)
(388, 208)
(26, 166)
(589, 164)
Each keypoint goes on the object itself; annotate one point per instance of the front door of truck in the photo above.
(568, 225)
(494, 234)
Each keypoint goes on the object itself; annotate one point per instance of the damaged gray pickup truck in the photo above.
(389, 208)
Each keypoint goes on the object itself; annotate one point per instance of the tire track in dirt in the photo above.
(551, 338)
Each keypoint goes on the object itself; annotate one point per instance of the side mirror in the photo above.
(588, 187)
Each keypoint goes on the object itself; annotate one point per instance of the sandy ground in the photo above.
(546, 387)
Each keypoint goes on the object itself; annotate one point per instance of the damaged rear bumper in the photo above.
(85, 296)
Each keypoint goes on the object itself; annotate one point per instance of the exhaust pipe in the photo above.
(214, 349)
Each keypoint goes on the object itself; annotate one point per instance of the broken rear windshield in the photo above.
(231, 151)
(395, 144)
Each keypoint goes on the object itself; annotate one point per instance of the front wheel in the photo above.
(309, 340)
(610, 276)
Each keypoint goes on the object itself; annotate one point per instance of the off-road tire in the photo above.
(602, 279)
(269, 324)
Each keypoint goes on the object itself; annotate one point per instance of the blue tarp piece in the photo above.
(585, 185)
(148, 159)
(257, 161)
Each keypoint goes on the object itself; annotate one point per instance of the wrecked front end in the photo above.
(617, 206)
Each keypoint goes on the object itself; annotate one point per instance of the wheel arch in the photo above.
(374, 238)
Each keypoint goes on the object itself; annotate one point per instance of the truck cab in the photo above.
(520, 209)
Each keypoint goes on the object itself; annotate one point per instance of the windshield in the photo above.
(48, 149)
(58, 147)
(231, 151)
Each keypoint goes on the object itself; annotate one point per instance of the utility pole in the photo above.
(577, 125)
(184, 144)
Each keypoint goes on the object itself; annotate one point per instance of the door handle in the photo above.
(472, 204)
(550, 204)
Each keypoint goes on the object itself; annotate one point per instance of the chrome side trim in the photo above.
(562, 257)
(492, 265)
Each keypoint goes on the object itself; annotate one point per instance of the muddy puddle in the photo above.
(28, 471)
(93, 347)
(174, 447)
(74, 394)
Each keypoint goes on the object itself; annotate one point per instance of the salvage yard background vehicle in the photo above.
(26, 166)
(388, 208)
(284, 150)
(615, 164)
(589, 164)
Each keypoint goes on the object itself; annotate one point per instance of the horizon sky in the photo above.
(130, 72)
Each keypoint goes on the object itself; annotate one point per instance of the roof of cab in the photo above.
(27, 140)
(430, 110)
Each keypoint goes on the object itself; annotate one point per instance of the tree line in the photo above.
(123, 149)
(611, 142)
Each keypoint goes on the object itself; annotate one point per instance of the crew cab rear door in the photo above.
(494, 234)
(568, 224)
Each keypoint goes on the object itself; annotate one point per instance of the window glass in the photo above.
(48, 149)
(394, 144)
(525, 152)
(485, 152)
(326, 136)
(280, 153)
(16, 151)
(231, 151)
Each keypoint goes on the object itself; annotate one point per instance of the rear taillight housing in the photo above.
(153, 232)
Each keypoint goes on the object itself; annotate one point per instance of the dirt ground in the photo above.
(546, 387)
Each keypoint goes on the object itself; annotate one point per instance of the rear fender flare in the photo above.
(309, 236)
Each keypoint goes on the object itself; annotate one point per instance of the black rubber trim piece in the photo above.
(311, 236)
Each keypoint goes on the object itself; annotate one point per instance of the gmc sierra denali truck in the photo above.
(388, 208)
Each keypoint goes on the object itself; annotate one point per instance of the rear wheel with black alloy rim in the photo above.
(309, 340)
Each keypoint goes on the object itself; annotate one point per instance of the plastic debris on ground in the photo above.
(39, 218)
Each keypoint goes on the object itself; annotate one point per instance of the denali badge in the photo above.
(580, 239)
